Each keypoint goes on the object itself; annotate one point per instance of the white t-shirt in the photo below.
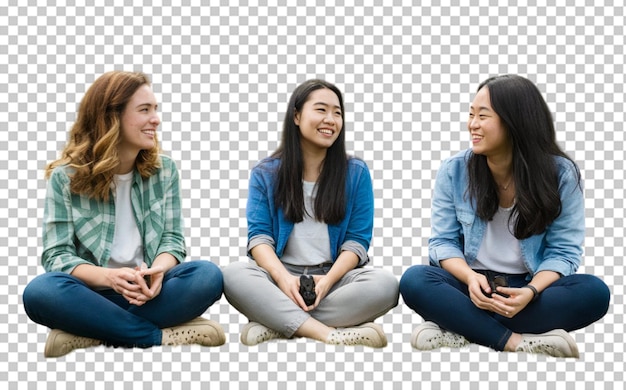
(308, 243)
(127, 248)
(500, 250)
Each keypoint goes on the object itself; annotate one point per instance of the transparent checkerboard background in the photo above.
(224, 74)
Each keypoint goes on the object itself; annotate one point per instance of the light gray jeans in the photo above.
(362, 295)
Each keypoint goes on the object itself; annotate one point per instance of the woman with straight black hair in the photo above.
(507, 233)
(310, 217)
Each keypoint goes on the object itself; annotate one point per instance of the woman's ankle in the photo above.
(513, 342)
(313, 329)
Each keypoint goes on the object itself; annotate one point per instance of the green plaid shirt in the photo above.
(79, 230)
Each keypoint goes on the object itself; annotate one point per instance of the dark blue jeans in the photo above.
(570, 303)
(61, 301)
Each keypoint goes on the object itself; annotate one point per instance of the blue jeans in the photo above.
(62, 301)
(570, 303)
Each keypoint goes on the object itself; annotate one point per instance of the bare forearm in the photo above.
(165, 260)
(266, 258)
(92, 275)
(345, 262)
(458, 268)
(543, 279)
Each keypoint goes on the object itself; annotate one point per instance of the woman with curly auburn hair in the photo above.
(93, 147)
(113, 234)
(508, 224)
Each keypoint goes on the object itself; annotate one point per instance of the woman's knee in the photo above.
(211, 272)
(44, 293)
(598, 294)
(389, 284)
(414, 279)
(232, 270)
(242, 272)
(33, 292)
(204, 277)
(230, 273)
(47, 285)
(590, 294)
(382, 284)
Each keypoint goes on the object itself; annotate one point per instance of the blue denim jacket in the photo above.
(458, 232)
(267, 223)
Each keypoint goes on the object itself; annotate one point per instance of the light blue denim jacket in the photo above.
(267, 223)
(458, 232)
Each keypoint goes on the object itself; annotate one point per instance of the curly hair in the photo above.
(92, 148)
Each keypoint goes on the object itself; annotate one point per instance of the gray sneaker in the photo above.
(368, 335)
(61, 343)
(428, 336)
(254, 333)
(557, 343)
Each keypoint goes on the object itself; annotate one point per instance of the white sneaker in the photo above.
(254, 333)
(428, 336)
(557, 343)
(368, 335)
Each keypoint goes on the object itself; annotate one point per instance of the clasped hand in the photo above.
(138, 285)
(290, 285)
(517, 300)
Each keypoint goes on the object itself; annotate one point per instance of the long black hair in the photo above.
(530, 129)
(330, 202)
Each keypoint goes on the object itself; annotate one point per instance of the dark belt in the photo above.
(499, 279)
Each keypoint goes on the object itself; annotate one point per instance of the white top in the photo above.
(308, 243)
(500, 250)
(127, 248)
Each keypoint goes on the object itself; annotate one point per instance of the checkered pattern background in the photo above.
(224, 71)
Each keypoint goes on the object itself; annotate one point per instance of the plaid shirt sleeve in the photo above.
(59, 250)
(165, 234)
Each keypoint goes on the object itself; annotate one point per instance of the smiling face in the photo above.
(139, 122)
(488, 134)
(320, 121)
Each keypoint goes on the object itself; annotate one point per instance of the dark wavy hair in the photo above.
(530, 129)
(330, 201)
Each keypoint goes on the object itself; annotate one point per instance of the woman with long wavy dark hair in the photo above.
(507, 233)
(310, 218)
(113, 234)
